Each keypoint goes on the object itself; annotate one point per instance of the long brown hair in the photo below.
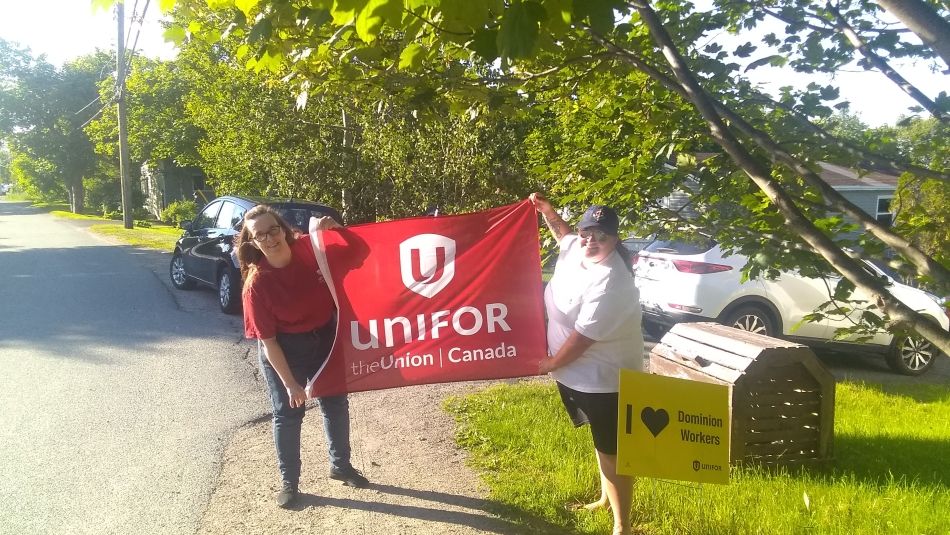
(248, 255)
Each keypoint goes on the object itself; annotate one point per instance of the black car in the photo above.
(205, 252)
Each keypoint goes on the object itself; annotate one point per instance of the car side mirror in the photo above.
(185, 225)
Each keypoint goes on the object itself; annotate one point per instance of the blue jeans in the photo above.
(305, 353)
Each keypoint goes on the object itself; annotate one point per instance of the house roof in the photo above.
(840, 177)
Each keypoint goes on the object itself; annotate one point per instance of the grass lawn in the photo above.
(891, 472)
(157, 236)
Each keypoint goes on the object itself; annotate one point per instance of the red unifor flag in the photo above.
(433, 300)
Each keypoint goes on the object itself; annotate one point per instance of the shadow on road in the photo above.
(84, 302)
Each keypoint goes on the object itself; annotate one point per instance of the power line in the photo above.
(135, 7)
(137, 32)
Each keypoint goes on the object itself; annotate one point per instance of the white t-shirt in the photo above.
(601, 302)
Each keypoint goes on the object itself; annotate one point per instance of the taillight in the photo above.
(699, 268)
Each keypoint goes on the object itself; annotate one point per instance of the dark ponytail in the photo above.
(625, 255)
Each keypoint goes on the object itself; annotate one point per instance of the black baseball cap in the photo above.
(602, 217)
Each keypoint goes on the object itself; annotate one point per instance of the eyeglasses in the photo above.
(595, 235)
(269, 233)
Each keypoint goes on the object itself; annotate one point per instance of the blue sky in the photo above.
(65, 29)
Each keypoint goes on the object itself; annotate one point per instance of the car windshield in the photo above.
(680, 247)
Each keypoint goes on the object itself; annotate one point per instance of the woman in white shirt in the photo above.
(593, 311)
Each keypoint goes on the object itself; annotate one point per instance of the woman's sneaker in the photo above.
(349, 476)
(287, 495)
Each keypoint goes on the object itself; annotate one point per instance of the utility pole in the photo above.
(123, 133)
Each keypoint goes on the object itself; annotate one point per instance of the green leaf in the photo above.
(485, 44)
(376, 13)
(247, 6)
(411, 57)
(743, 51)
(261, 31)
(767, 60)
(344, 11)
(560, 15)
(466, 15)
(175, 34)
(519, 29)
(166, 6)
(599, 13)
(843, 290)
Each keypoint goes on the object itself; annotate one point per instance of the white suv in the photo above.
(681, 281)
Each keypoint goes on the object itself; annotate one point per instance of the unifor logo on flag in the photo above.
(427, 262)
(433, 300)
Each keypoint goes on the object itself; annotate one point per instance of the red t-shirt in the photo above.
(291, 299)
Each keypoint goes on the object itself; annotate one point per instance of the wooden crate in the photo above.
(783, 398)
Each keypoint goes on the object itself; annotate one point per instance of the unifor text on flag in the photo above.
(433, 300)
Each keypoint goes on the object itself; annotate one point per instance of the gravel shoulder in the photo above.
(402, 440)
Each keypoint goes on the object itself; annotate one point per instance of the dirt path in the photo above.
(402, 440)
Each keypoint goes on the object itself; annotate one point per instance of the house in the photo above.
(164, 182)
(870, 191)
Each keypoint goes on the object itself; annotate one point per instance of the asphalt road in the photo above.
(117, 392)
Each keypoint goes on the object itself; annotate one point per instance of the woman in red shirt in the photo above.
(289, 310)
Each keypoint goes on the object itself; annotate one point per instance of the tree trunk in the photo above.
(77, 202)
(923, 20)
(924, 263)
(759, 174)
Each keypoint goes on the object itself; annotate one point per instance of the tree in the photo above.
(921, 204)
(44, 110)
(323, 42)
(159, 127)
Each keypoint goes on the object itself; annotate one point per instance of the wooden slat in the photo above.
(792, 434)
(737, 341)
(790, 396)
(783, 461)
(668, 368)
(781, 375)
(713, 370)
(771, 424)
(812, 405)
(778, 448)
(781, 356)
(697, 350)
(776, 411)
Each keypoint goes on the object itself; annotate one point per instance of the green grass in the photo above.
(157, 236)
(66, 214)
(891, 472)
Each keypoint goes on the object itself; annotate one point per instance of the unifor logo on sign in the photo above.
(427, 263)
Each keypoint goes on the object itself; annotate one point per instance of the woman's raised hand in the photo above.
(540, 202)
(323, 223)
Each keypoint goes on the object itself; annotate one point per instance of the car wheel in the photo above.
(176, 270)
(911, 355)
(752, 319)
(229, 291)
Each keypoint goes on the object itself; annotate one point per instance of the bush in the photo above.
(142, 224)
(179, 211)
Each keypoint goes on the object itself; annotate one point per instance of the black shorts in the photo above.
(598, 410)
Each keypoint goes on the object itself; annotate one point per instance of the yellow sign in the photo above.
(673, 428)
